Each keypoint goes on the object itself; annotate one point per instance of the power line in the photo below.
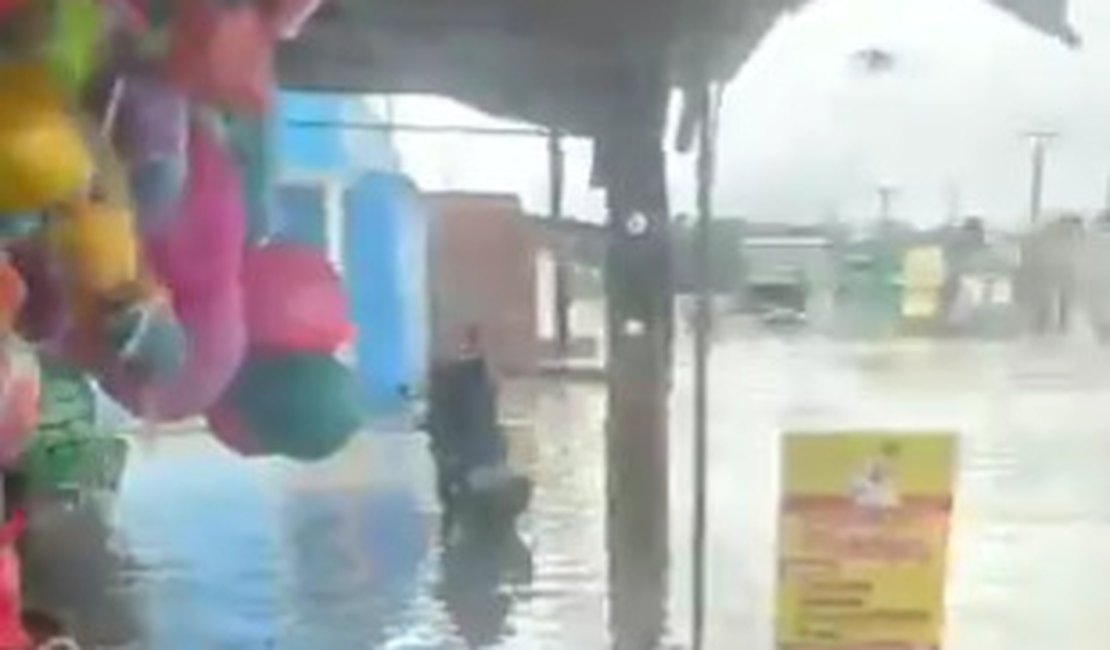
(418, 128)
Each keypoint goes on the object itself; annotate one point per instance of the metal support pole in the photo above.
(704, 180)
(557, 170)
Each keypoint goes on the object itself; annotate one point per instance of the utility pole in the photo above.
(556, 169)
(955, 203)
(1106, 198)
(886, 195)
(1040, 140)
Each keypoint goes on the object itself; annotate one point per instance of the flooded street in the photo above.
(348, 554)
(218, 552)
(1030, 532)
(267, 267)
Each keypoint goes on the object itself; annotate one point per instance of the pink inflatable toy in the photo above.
(199, 259)
(203, 249)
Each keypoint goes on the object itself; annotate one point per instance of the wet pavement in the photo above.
(218, 552)
(205, 550)
(1031, 529)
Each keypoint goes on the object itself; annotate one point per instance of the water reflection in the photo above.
(347, 556)
(205, 531)
(354, 565)
(75, 570)
(482, 576)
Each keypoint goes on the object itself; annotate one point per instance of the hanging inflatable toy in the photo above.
(152, 135)
(222, 54)
(9, 7)
(251, 138)
(25, 29)
(199, 259)
(203, 250)
(294, 300)
(97, 246)
(213, 347)
(19, 376)
(69, 449)
(13, 295)
(43, 157)
(17, 227)
(155, 14)
(301, 406)
(126, 16)
(75, 47)
(42, 318)
(19, 372)
(12, 633)
(19, 399)
(115, 315)
(96, 251)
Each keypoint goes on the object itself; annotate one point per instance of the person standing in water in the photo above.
(466, 436)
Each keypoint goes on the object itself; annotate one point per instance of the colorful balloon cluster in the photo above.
(134, 220)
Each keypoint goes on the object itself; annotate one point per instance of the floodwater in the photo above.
(207, 551)
(1029, 557)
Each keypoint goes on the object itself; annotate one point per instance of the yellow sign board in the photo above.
(863, 540)
(923, 278)
(924, 267)
(921, 303)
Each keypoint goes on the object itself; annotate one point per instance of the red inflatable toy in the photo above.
(222, 54)
(8, 7)
(294, 300)
(12, 634)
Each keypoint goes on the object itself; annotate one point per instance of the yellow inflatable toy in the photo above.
(43, 157)
(96, 245)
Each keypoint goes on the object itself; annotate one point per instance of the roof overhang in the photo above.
(587, 67)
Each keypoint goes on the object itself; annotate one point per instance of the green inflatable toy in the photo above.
(69, 452)
(302, 406)
(74, 47)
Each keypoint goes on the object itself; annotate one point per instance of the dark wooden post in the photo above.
(639, 290)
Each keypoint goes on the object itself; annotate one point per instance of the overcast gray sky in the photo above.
(805, 134)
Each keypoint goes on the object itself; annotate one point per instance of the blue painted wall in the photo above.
(384, 232)
(384, 249)
(301, 216)
(320, 150)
